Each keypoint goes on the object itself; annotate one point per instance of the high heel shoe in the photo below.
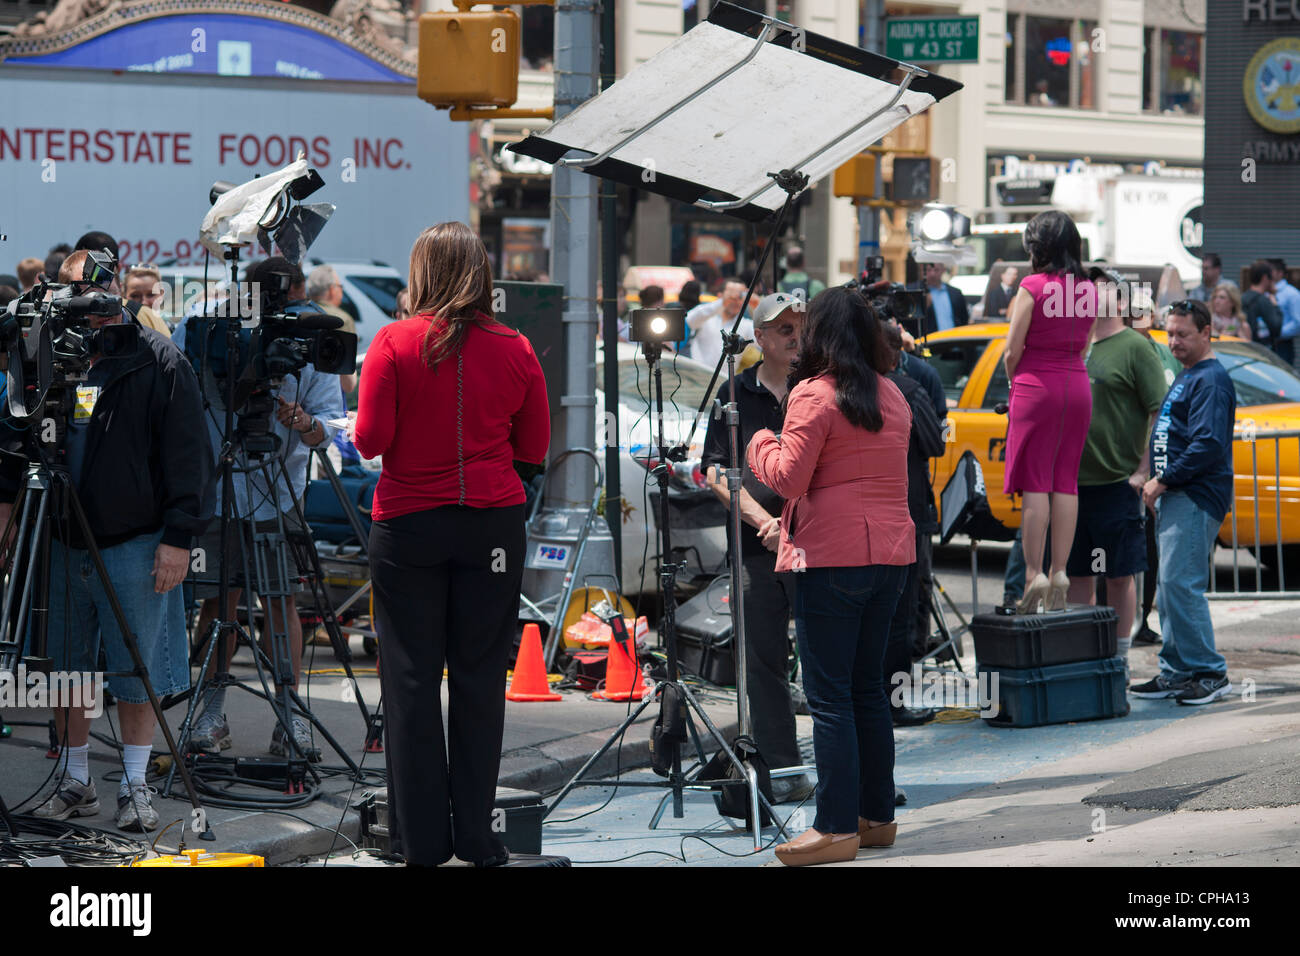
(1037, 590)
(876, 835)
(812, 847)
(1060, 589)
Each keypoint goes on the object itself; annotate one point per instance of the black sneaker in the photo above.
(1147, 636)
(1157, 688)
(1204, 688)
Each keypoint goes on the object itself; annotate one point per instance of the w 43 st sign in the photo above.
(933, 39)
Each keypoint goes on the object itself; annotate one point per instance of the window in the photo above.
(1258, 376)
(1050, 62)
(954, 360)
(999, 389)
(1171, 71)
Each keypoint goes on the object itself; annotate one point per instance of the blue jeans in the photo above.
(80, 614)
(1185, 535)
(842, 618)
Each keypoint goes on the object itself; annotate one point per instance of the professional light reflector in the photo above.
(710, 116)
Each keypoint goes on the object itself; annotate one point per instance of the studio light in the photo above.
(934, 228)
(268, 210)
(658, 325)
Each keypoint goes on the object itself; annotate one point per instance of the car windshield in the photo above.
(1259, 377)
(954, 360)
(381, 290)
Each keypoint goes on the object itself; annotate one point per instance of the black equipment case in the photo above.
(1081, 633)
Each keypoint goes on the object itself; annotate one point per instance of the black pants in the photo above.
(446, 593)
(769, 601)
(904, 628)
(921, 597)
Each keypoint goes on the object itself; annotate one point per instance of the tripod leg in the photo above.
(614, 738)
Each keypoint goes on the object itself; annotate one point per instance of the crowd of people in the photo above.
(839, 420)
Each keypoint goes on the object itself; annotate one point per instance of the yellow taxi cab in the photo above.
(969, 362)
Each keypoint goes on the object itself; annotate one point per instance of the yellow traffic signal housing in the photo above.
(468, 58)
(856, 179)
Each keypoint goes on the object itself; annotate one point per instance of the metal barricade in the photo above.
(1250, 497)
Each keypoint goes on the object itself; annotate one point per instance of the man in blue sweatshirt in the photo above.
(1190, 491)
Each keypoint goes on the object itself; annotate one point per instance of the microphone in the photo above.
(309, 321)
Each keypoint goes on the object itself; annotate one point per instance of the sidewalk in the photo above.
(1165, 785)
(545, 744)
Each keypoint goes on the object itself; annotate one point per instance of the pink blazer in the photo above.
(845, 488)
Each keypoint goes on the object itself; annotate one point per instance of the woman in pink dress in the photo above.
(1051, 401)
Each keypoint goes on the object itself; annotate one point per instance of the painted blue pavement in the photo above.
(933, 763)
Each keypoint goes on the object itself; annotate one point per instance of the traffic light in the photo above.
(916, 179)
(469, 58)
(856, 179)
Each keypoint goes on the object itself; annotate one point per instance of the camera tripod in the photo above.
(48, 494)
(264, 557)
(266, 569)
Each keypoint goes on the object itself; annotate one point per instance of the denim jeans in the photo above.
(80, 613)
(1185, 534)
(842, 618)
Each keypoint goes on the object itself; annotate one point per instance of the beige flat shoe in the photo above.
(876, 835)
(811, 848)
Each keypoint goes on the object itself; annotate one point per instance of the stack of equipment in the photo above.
(1051, 668)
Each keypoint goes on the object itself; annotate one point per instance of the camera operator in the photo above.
(303, 407)
(135, 453)
(769, 596)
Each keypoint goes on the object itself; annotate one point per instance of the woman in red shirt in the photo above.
(840, 463)
(450, 398)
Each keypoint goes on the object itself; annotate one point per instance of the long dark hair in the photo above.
(1053, 244)
(843, 338)
(451, 281)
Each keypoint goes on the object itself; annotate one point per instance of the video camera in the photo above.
(49, 337)
(888, 299)
(277, 344)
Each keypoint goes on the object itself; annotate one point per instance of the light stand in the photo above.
(673, 689)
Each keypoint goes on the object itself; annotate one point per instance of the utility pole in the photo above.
(574, 254)
(609, 308)
(869, 216)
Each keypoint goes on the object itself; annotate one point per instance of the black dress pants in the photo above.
(446, 586)
(769, 601)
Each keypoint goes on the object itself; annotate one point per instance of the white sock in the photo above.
(77, 762)
(135, 759)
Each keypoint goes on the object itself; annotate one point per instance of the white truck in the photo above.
(1126, 219)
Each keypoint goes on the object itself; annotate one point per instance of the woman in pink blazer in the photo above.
(840, 463)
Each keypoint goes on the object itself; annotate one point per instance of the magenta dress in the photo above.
(1051, 400)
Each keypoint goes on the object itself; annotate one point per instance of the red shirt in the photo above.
(407, 412)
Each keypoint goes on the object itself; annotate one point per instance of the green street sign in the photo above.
(933, 39)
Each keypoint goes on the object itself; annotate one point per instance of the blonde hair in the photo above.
(1234, 296)
(451, 281)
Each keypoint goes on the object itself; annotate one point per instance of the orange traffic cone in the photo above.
(529, 682)
(623, 680)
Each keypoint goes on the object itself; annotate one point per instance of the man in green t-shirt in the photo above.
(1128, 386)
(796, 281)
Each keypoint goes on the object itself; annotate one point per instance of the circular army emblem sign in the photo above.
(1272, 86)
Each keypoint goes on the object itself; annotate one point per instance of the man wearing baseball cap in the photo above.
(769, 596)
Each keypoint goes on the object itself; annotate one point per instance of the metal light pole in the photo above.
(574, 253)
(873, 13)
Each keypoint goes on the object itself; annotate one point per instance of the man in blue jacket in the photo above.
(1190, 491)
